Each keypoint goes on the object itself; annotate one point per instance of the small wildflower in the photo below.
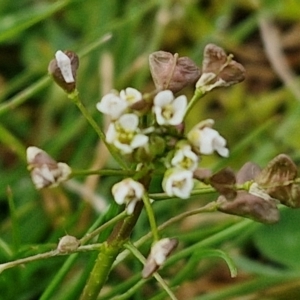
(131, 95)
(160, 251)
(129, 192)
(178, 182)
(207, 140)
(45, 171)
(184, 157)
(63, 69)
(68, 244)
(112, 105)
(169, 110)
(125, 135)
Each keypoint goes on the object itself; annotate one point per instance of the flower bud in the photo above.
(218, 69)
(68, 244)
(206, 140)
(224, 182)
(45, 171)
(129, 192)
(63, 69)
(158, 255)
(247, 172)
(172, 73)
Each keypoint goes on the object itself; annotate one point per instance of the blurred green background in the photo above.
(259, 118)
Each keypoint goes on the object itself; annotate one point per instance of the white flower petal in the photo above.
(139, 140)
(131, 95)
(112, 105)
(64, 64)
(129, 122)
(178, 182)
(128, 191)
(111, 133)
(124, 148)
(163, 98)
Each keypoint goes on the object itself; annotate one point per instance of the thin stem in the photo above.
(27, 93)
(108, 254)
(142, 259)
(151, 216)
(105, 172)
(24, 95)
(40, 256)
(112, 221)
(225, 234)
(74, 96)
(197, 95)
(210, 207)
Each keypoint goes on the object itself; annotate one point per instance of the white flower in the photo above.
(129, 192)
(64, 64)
(45, 171)
(185, 158)
(112, 105)
(169, 110)
(178, 182)
(160, 251)
(207, 140)
(131, 95)
(125, 135)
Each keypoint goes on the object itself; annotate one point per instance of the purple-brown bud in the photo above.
(45, 171)
(170, 72)
(224, 182)
(63, 69)
(160, 251)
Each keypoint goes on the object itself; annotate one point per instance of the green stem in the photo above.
(210, 207)
(74, 96)
(197, 95)
(151, 217)
(108, 254)
(225, 234)
(112, 221)
(24, 95)
(142, 259)
(106, 172)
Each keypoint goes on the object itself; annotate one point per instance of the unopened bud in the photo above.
(68, 244)
(224, 182)
(247, 172)
(160, 251)
(45, 171)
(172, 73)
(63, 69)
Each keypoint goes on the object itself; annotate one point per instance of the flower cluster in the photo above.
(151, 127)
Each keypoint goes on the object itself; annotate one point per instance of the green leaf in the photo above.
(281, 242)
